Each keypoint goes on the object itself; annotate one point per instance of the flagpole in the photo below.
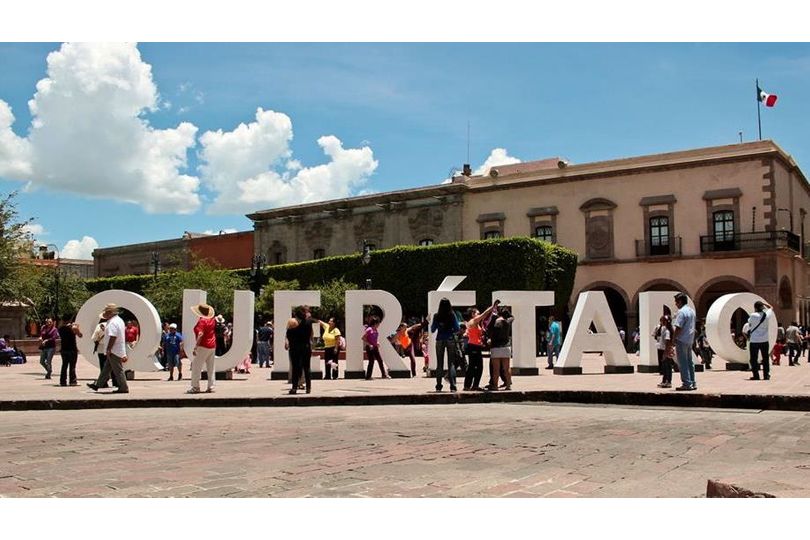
(759, 105)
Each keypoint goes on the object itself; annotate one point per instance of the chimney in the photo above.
(467, 170)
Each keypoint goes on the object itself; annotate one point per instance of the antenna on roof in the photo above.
(740, 134)
(468, 141)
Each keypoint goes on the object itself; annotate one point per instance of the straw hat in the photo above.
(109, 311)
(203, 311)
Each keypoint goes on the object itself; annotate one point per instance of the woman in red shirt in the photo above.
(204, 349)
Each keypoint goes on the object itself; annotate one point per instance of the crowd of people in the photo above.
(462, 341)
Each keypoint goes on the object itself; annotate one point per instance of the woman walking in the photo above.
(204, 349)
(47, 346)
(371, 338)
(475, 347)
(445, 325)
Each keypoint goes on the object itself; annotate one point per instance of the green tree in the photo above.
(15, 243)
(264, 304)
(166, 291)
(44, 287)
(333, 298)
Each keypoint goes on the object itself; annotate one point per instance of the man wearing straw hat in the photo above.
(115, 340)
(205, 332)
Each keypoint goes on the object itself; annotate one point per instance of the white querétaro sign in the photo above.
(591, 309)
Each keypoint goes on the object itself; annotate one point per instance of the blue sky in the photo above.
(362, 118)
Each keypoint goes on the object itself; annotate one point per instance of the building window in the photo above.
(319, 253)
(544, 232)
(659, 235)
(488, 235)
(723, 227)
(426, 242)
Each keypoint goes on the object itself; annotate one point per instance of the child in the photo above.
(776, 353)
(665, 338)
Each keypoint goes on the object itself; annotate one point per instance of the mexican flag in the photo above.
(769, 100)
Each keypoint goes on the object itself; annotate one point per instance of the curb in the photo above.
(717, 401)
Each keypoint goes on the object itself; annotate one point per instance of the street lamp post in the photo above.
(155, 259)
(43, 249)
(256, 263)
(366, 259)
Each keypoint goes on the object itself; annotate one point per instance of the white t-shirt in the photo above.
(116, 328)
(759, 332)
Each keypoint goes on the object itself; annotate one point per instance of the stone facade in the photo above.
(300, 233)
(707, 221)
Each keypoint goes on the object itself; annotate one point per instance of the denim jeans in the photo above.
(553, 353)
(793, 353)
(753, 349)
(443, 345)
(263, 352)
(685, 363)
(472, 379)
(68, 367)
(46, 359)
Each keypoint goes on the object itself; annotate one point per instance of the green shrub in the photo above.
(409, 272)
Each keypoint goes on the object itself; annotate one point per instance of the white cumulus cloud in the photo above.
(88, 134)
(498, 156)
(79, 249)
(34, 229)
(252, 168)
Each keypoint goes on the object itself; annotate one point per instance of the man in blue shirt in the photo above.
(172, 344)
(684, 325)
(554, 341)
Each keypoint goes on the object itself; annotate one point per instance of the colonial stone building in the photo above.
(311, 231)
(707, 221)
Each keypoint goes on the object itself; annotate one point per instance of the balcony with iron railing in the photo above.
(755, 241)
(669, 247)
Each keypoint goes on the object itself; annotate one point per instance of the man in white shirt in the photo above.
(758, 340)
(115, 339)
(684, 326)
(794, 343)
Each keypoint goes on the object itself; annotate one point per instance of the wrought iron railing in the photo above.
(755, 241)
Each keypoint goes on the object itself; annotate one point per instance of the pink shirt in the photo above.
(372, 335)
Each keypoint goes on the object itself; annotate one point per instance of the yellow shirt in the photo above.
(329, 336)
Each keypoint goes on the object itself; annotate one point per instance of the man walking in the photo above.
(554, 341)
(794, 340)
(684, 326)
(47, 346)
(116, 351)
(758, 340)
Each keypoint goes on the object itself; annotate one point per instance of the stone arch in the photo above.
(705, 293)
(659, 284)
(618, 301)
(785, 294)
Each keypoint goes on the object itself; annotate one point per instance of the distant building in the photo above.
(228, 250)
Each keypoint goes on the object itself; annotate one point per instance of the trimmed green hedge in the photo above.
(409, 272)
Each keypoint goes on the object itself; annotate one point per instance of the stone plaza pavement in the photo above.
(475, 450)
(22, 387)
(211, 445)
